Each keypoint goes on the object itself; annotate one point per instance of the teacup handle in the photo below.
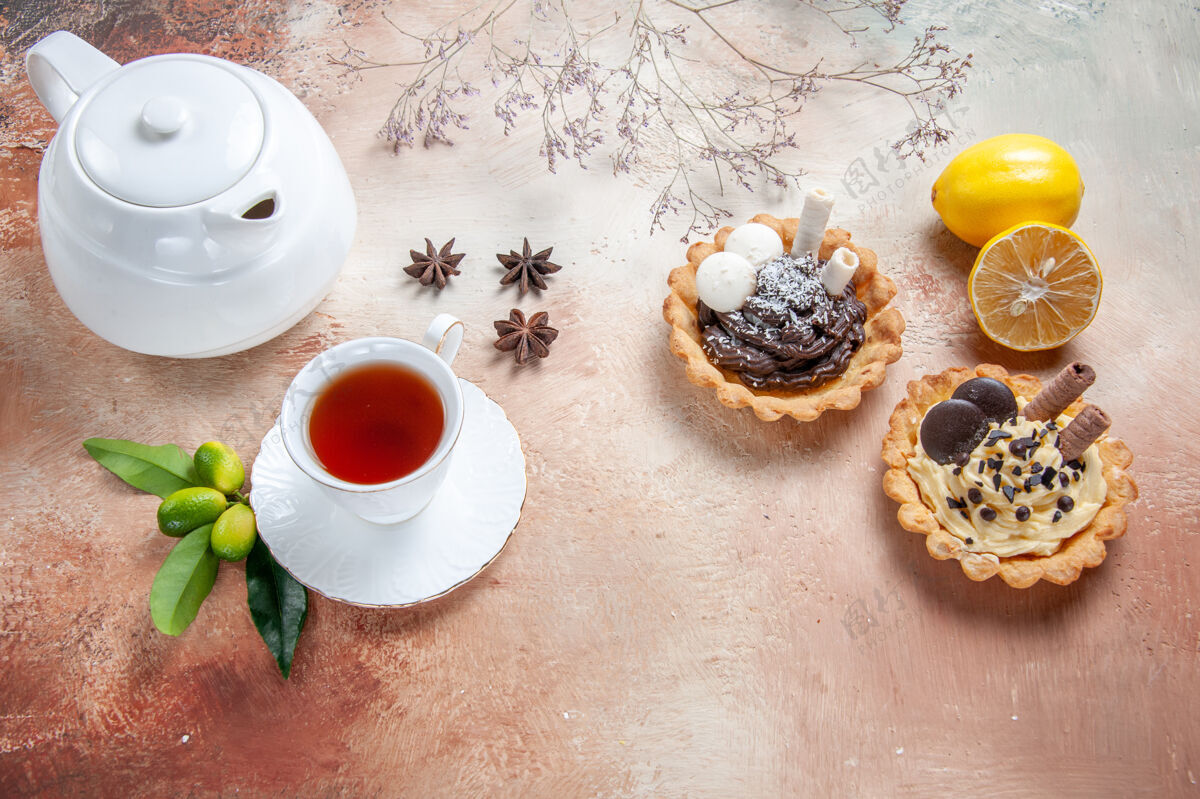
(444, 336)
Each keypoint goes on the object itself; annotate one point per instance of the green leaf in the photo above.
(157, 470)
(183, 582)
(278, 605)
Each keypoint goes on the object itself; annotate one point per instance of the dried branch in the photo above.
(548, 70)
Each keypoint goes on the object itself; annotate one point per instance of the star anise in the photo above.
(526, 338)
(528, 267)
(433, 267)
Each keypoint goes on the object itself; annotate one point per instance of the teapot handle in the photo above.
(61, 67)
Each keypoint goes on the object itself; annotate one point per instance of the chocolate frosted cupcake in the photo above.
(1007, 477)
(784, 316)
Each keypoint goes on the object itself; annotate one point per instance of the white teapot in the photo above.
(188, 206)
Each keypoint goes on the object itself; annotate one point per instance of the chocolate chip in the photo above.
(996, 480)
(975, 495)
(955, 503)
(995, 463)
(987, 514)
(1057, 515)
(1009, 492)
(957, 471)
(1035, 468)
(970, 541)
(1066, 504)
(952, 429)
(1020, 447)
(1016, 471)
(1051, 425)
(1048, 477)
(979, 483)
(1029, 483)
(991, 396)
(962, 458)
(965, 515)
(1063, 479)
(982, 463)
(1022, 513)
(996, 435)
(1074, 464)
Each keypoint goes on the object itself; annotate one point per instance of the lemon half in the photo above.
(1034, 287)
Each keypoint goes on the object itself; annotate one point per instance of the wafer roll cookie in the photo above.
(1085, 428)
(814, 216)
(1060, 392)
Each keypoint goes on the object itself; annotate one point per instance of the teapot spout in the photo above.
(247, 223)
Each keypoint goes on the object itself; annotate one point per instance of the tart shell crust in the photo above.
(865, 371)
(1083, 550)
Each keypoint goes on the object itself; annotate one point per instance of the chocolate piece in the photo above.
(1016, 470)
(1019, 447)
(1022, 513)
(957, 471)
(955, 503)
(996, 480)
(1009, 493)
(969, 541)
(1035, 468)
(991, 396)
(1057, 516)
(1064, 479)
(1085, 428)
(1066, 504)
(975, 495)
(965, 515)
(987, 514)
(996, 435)
(1060, 392)
(952, 428)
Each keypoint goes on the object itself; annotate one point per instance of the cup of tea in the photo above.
(374, 421)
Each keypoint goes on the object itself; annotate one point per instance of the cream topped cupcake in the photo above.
(1007, 477)
(784, 316)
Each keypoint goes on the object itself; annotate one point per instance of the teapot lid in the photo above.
(170, 131)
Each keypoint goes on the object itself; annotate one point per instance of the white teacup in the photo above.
(403, 498)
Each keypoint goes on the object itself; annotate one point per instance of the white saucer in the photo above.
(344, 557)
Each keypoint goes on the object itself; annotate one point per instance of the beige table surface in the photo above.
(695, 603)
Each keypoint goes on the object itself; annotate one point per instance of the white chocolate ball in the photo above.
(755, 242)
(724, 281)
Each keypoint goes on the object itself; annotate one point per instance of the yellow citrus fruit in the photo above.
(189, 508)
(1006, 180)
(234, 533)
(1034, 287)
(219, 467)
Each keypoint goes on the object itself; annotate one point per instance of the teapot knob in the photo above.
(164, 115)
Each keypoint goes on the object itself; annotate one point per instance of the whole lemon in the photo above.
(219, 467)
(189, 508)
(1005, 181)
(234, 533)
